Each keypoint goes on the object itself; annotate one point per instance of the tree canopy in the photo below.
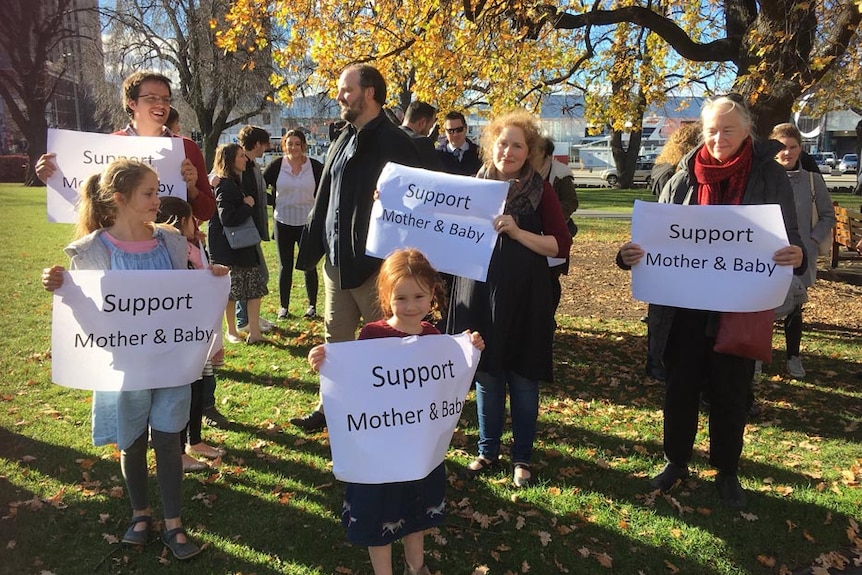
(222, 88)
(502, 53)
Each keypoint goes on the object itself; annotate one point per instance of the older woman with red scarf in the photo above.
(729, 168)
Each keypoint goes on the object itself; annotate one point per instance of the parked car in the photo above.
(849, 164)
(643, 173)
(830, 158)
(822, 162)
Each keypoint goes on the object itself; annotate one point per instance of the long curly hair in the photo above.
(686, 138)
(519, 119)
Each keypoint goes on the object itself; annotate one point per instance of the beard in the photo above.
(352, 111)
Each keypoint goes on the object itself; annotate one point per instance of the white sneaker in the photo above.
(794, 367)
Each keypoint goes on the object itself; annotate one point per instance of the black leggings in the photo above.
(169, 471)
(286, 238)
(793, 331)
(192, 432)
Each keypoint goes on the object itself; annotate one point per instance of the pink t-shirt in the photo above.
(138, 247)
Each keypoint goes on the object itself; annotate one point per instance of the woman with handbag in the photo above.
(815, 219)
(233, 239)
(728, 168)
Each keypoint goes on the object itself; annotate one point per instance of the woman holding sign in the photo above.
(729, 168)
(115, 231)
(513, 309)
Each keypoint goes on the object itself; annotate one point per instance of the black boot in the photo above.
(314, 421)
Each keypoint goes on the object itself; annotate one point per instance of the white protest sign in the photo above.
(127, 330)
(82, 154)
(392, 404)
(715, 258)
(448, 218)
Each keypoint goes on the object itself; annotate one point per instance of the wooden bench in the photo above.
(846, 234)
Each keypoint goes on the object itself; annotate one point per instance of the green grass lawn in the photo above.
(272, 505)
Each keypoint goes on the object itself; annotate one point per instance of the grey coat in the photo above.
(802, 180)
(89, 253)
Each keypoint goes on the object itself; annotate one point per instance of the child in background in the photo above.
(409, 291)
(115, 231)
(178, 213)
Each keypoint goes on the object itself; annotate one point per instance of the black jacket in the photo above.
(231, 210)
(270, 176)
(378, 142)
(427, 152)
(470, 162)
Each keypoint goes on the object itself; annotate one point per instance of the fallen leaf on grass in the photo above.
(748, 516)
(525, 567)
(11, 544)
(671, 567)
(605, 560)
(111, 539)
(766, 560)
(481, 570)
(808, 537)
(544, 538)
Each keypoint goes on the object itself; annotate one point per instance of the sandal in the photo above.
(522, 481)
(181, 551)
(479, 466)
(141, 537)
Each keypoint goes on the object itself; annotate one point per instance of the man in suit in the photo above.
(459, 154)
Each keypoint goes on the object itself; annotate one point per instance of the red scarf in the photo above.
(711, 175)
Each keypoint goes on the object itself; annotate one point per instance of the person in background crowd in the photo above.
(419, 121)
(293, 179)
(686, 138)
(512, 309)
(459, 154)
(147, 101)
(177, 212)
(337, 227)
(255, 141)
(810, 195)
(729, 168)
(173, 123)
(561, 178)
(235, 206)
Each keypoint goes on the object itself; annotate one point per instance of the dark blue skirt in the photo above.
(377, 515)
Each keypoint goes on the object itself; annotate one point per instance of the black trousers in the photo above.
(692, 366)
(287, 237)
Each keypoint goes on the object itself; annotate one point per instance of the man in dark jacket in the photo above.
(418, 122)
(337, 227)
(459, 154)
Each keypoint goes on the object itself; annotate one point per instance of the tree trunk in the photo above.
(625, 159)
(36, 134)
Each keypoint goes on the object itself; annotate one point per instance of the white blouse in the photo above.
(294, 194)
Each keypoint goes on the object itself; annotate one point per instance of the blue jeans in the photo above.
(491, 403)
